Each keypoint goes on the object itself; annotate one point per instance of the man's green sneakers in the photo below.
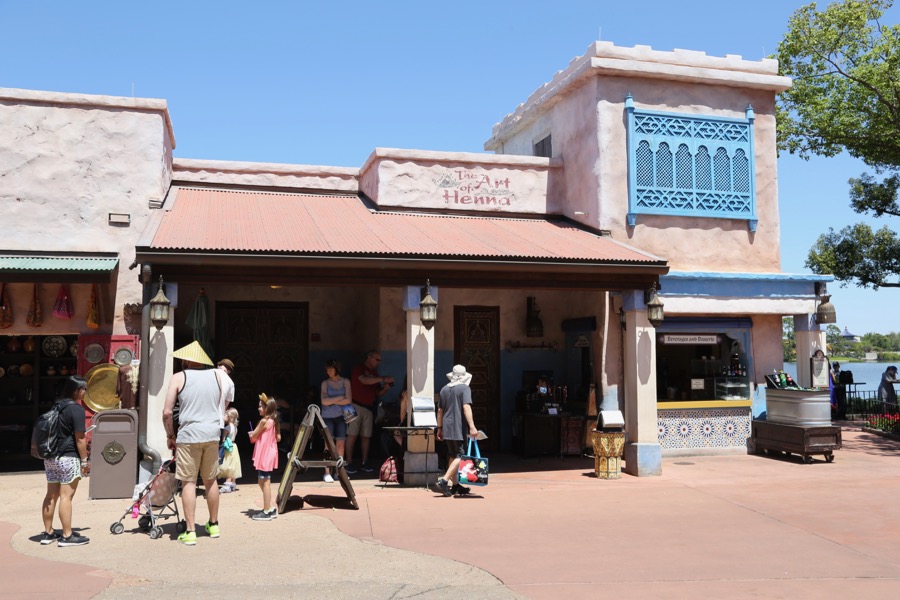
(188, 538)
(212, 529)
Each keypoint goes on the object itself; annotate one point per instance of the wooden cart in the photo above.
(769, 437)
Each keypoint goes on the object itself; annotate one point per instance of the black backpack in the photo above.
(45, 437)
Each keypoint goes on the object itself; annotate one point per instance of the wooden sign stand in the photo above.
(296, 464)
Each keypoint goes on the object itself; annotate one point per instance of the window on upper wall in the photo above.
(690, 165)
(543, 148)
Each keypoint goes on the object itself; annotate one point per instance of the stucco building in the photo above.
(630, 169)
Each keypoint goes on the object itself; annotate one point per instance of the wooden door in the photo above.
(477, 348)
(269, 344)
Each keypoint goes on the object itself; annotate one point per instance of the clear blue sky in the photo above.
(326, 82)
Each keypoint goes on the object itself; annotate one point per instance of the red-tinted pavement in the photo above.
(723, 527)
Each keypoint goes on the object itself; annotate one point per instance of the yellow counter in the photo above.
(676, 405)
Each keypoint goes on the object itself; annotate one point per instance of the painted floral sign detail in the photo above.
(462, 187)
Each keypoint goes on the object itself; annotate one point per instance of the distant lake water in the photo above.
(868, 372)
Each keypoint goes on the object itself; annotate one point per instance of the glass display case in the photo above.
(735, 387)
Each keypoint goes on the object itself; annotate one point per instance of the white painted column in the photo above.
(808, 337)
(643, 454)
(420, 464)
(156, 372)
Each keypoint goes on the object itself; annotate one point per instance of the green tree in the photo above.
(837, 345)
(788, 340)
(846, 97)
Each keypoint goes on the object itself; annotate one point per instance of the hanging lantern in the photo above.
(428, 307)
(159, 307)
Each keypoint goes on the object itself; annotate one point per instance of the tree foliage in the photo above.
(846, 97)
(788, 340)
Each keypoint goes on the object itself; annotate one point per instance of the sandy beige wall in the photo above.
(701, 244)
(65, 168)
(554, 306)
(589, 131)
(573, 125)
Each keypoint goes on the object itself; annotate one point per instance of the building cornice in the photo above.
(606, 59)
(90, 101)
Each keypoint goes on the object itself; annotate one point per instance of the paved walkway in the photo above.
(721, 527)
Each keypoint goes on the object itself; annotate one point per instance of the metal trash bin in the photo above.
(114, 454)
(609, 444)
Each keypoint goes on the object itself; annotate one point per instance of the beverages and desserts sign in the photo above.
(690, 339)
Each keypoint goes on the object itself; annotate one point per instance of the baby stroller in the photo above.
(156, 494)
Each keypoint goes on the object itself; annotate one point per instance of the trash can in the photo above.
(114, 454)
(609, 443)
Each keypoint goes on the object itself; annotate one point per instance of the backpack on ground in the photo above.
(45, 437)
(388, 471)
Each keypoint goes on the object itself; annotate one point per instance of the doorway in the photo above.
(477, 347)
(269, 344)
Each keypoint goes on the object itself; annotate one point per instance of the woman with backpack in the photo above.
(69, 466)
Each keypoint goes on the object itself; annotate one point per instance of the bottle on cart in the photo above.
(790, 382)
(782, 378)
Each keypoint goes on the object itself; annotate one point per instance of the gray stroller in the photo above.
(152, 501)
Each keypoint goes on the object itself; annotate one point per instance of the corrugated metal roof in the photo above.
(237, 221)
(20, 263)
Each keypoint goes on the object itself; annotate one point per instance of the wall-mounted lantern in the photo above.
(159, 308)
(427, 307)
(655, 312)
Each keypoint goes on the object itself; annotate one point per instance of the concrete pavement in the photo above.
(725, 527)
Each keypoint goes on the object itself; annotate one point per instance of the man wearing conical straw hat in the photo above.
(201, 400)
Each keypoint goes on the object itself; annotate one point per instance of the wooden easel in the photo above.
(312, 420)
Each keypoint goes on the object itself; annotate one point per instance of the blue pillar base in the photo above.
(643, 460)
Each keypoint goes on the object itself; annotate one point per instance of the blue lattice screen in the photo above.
(689, 165)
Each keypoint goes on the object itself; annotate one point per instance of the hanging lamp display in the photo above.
(93, 310)
(63, 308)
(6, 313)
(35, 316)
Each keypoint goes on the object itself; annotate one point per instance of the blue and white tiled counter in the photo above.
(705, 426)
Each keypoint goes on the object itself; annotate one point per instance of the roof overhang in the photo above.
(203, 268)
(56, 267)
(216, 236)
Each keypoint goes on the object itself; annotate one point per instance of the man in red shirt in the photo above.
(366, 386)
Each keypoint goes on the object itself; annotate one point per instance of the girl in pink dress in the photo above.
(265, 438)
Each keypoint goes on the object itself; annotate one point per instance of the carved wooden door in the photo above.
(269, 344)
(477, 348)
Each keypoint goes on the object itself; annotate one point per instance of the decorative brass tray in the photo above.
(101, 388)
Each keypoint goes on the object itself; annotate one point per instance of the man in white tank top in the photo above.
(199, 393)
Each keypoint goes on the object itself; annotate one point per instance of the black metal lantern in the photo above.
(159, 307)
(427, 307)
(655, 312)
